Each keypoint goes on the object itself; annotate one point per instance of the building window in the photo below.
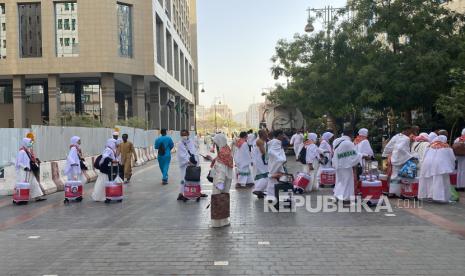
(182, 69)
(66, 25)
(6, 94)
(160, 41)
(66, 29)
(186, 74)
(30, 26)
(2, 32)
(169, 53)
(176, 61)
(124, 25)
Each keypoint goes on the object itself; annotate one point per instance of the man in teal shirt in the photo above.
(164, 145)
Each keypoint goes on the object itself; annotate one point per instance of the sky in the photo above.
(236, 40)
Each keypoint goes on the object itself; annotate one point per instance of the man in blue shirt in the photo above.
(164, 145)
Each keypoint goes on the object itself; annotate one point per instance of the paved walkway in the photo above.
(151, 233)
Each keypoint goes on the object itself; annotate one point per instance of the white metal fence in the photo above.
(52, 143)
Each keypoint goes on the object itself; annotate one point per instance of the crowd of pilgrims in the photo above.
(260, 160)
(115, 161)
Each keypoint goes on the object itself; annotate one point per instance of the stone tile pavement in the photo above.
(151, 233)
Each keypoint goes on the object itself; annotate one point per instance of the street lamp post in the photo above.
(328, 13)
(197, 84)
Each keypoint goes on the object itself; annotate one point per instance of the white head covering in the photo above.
(312, 136)
(74, 141)
(424, 135)
(109, 151)
(442, 138)
(115, 133)
(363, 132)
(432, 136)
(26, 142)
(111, 143)
(463, 131)
(327, 136)
(220, 140)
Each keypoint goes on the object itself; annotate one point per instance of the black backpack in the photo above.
(161, 149)
(303, 156)
(97, 162)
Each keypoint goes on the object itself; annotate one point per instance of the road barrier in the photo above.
(51, 146)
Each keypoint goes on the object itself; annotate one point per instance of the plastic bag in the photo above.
(454, 195)
(408, 170)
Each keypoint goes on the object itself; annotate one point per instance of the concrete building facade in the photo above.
(254, 115)
(106, 59)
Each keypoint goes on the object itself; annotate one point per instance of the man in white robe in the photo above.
(259, 155)
(276, 161)
(418, 150)
(398, 150)
(250, 139)
(187, 156)
(297, 141)
(243, 161)
(362, 146)
(312, 159)
(461, 164)
(438, 164)
(344, 159)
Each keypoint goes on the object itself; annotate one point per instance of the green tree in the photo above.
(390, 57)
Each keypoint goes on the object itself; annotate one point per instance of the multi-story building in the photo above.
(2, 32)
(255, 114)
(107, 59)
(455, 5)
(221, 110)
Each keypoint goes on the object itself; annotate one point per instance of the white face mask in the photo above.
(185, 138)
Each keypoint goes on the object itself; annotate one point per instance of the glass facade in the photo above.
(66, 29)
(2, 32)
(6, 94)
(30, 30)
(124, 27)
(81, 98)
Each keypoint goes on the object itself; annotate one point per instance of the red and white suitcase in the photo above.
(409, 187)
(301, 182)
(384, 180)
(114, 191)
(21, 193)
(453, 179)
(328, 177)
(371, 188)
(73, 191)
(192, 190)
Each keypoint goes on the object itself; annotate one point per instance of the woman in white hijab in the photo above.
(438, 163)
(461, 164)
(222, 173)
(312, 159)
(108, 158)
(325, 148)
(73, 162)
(23, 170)
(432, 136)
